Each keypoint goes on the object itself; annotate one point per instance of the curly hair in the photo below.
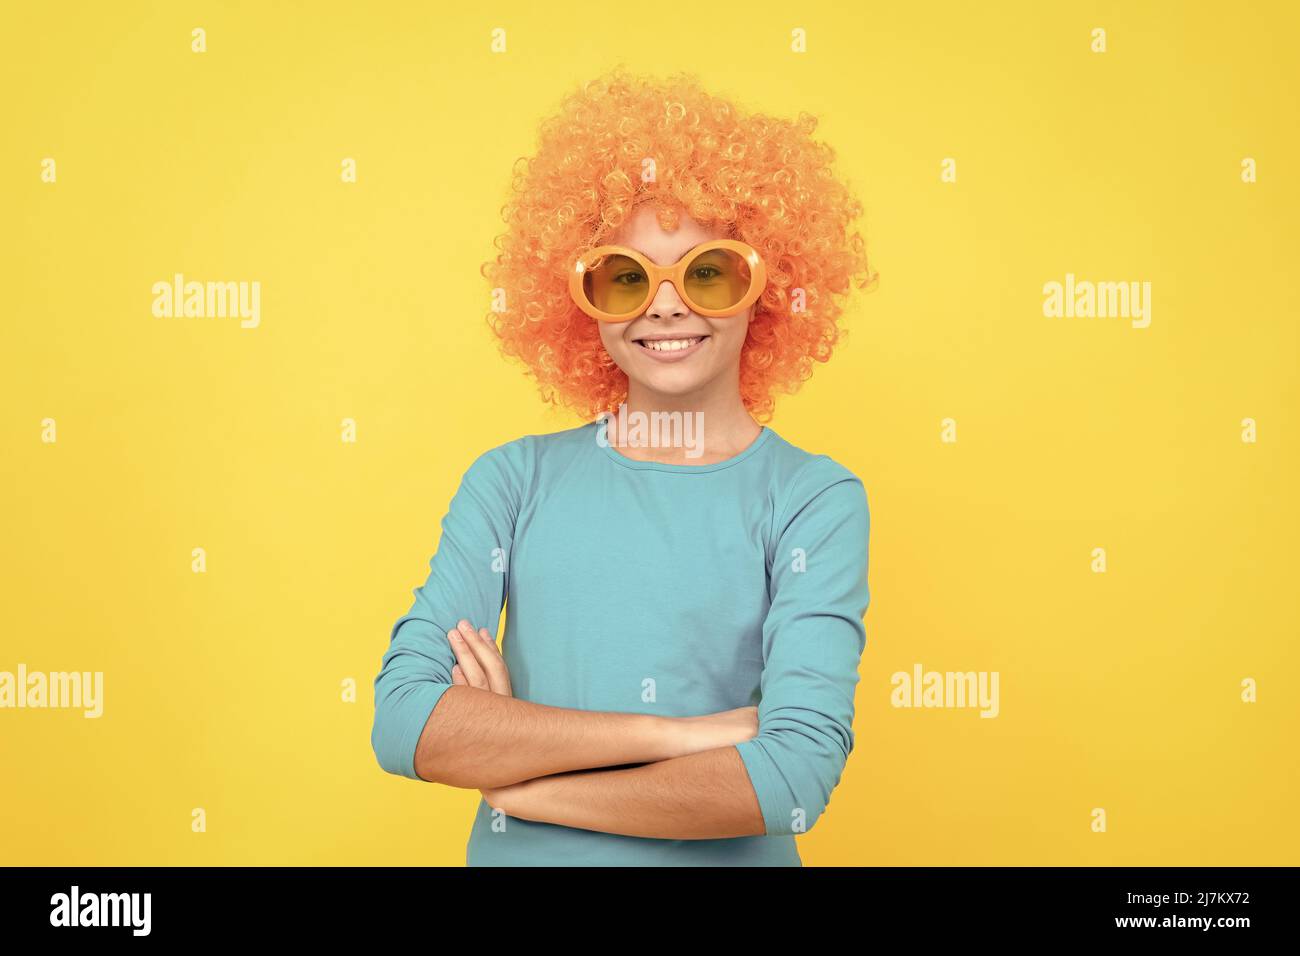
(620, 140)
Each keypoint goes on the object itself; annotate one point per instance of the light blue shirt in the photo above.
(640, 587)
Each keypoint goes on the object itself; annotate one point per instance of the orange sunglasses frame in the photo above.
(676, 274)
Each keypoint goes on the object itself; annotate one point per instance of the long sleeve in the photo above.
(813, 638)
(468, 578)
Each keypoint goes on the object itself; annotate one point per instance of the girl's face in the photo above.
(668, 350)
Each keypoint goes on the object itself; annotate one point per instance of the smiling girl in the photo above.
(684, 624)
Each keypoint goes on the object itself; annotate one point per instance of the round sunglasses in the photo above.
(717, 278)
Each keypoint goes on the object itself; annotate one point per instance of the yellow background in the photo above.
(222, 690)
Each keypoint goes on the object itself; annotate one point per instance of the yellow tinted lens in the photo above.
(717, 279)
(617, 285)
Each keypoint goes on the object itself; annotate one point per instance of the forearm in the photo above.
(700, 796)
(476, 738)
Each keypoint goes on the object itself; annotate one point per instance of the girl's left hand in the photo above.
(479, 662)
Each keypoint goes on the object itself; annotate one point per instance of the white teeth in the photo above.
(669, 345)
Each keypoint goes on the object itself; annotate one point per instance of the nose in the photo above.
(667, 304)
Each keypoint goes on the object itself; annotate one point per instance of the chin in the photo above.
(672, 382)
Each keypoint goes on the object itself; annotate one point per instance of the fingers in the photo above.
(489, 658)
(494, 654)
(467, 660)
(480, 662)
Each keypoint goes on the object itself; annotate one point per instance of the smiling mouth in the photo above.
(670, 345)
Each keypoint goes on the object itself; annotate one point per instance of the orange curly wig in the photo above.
(763, 178)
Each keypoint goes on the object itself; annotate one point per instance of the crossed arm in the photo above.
(445, 712)
(570, 767)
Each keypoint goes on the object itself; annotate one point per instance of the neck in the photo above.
(713, 427)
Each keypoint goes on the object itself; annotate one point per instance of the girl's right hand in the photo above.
(722, 729)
